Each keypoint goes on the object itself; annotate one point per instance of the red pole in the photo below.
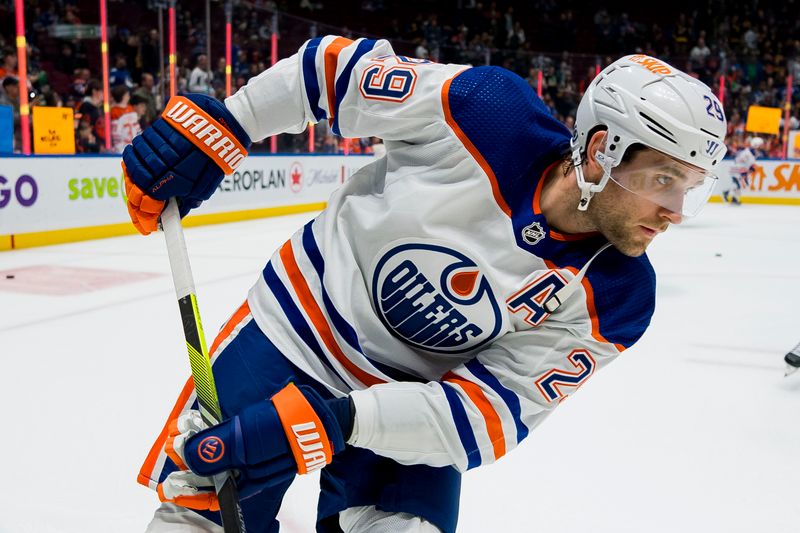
(539, 83)
(228, 46)
(173, 82)
(310, 137)
(273, 141)
(722, 90)
(104, 54)
(22, 71)
(786, 109)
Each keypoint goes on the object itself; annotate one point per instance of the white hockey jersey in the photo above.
(744, 161)
(420, 288)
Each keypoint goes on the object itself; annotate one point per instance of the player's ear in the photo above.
(597, 143)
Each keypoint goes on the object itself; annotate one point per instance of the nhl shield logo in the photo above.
(533, 233)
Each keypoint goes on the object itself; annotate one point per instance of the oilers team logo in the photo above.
(435, 298)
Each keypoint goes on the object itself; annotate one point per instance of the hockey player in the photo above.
(450, 296)
(743, 167)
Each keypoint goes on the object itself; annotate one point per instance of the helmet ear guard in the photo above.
(605, 159)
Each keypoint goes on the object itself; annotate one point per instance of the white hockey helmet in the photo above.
(756, 142)
(640, 99)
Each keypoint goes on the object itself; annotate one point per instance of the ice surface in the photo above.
(695, 429)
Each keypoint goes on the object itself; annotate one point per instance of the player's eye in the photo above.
(664, 181)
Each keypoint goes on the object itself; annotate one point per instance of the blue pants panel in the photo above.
(357, 477)
(250, 369)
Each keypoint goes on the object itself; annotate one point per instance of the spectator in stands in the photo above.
(119, 75)
(680, 36)
(71, 14)
(147, 92)
(9, 66)
(9, 96)
(219, 75)
(81, 79)
(124, 120)
(66, 62)
(755, 46)
(139, 105)
(85, 140)
(48, 97)
(200, 77)
(89, 111)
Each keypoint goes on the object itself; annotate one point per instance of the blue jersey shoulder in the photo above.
(624, 295)
(508, 124)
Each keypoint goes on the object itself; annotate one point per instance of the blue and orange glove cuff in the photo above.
(305, 431)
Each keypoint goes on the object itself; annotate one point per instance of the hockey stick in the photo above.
(225, 485)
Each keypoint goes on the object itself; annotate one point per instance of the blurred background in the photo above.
(748, 52)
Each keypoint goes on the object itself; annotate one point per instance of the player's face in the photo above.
(630, 220)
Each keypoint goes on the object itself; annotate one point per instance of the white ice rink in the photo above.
(695, 429)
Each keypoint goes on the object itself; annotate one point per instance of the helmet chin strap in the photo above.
(588, 189)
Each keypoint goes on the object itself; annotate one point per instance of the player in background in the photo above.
(743, 167)
(792, 360)
(451, 294)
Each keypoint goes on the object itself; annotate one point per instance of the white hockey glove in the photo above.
(184, 487)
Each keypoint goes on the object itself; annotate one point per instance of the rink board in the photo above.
(50, 200)
(775, 181)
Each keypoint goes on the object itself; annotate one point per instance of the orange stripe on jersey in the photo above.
(471, 148)
(587, 286)
(571, 236)
(146, 471)
(493, 425)
(314, 313)
(332, 52)
(233, 321)
(537, 194)
(590, 308)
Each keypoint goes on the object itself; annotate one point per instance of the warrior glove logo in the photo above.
(211, 449)
(310, 444)
(434, 298)
(210, 136)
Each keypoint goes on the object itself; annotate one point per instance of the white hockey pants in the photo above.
(170, 518)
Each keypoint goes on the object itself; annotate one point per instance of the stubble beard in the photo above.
(614, 222)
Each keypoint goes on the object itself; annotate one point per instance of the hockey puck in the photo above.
(9, 276)
(717, 254)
